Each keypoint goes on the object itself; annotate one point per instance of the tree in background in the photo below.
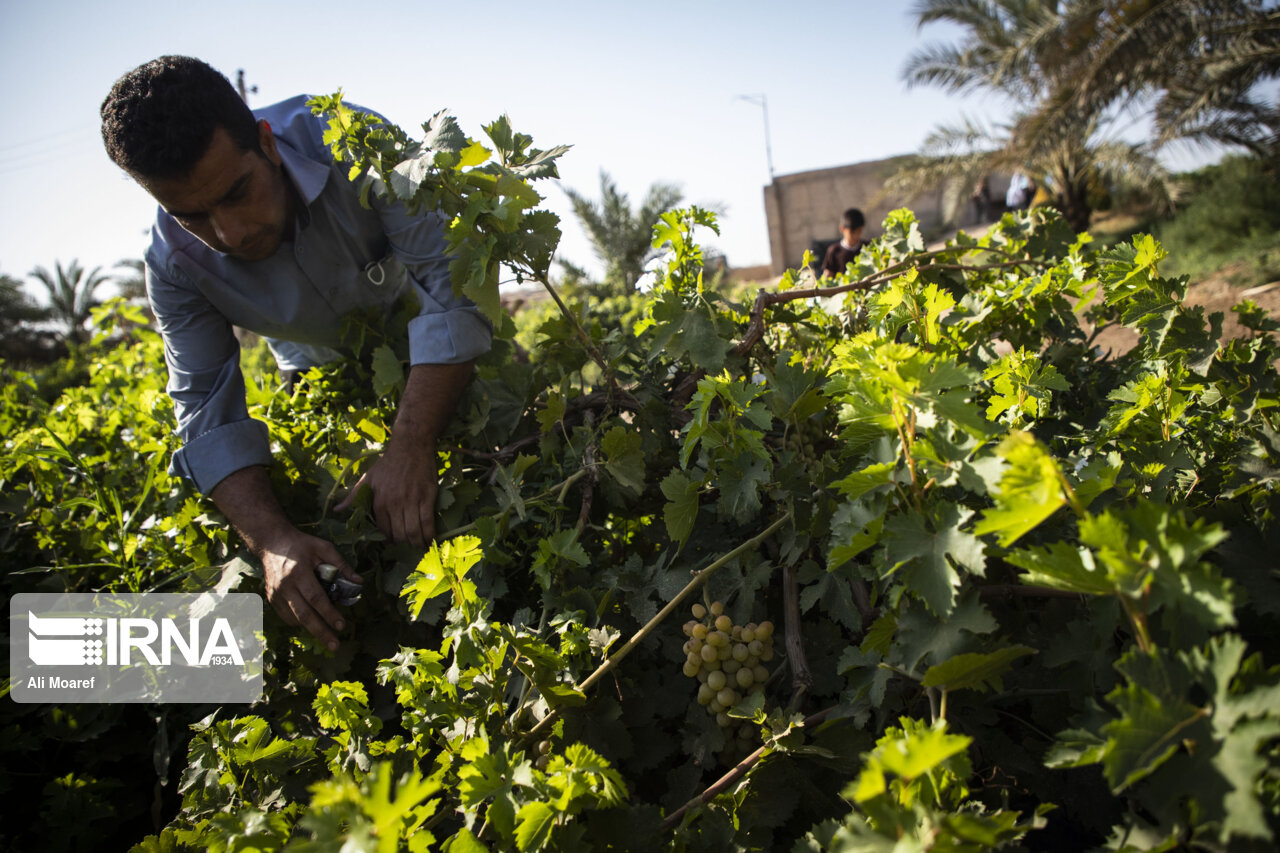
(1196, 65)
(21, 341)
(622, 237)
(1021, 49)
(71, 295)
(16, 306)
(132, 281)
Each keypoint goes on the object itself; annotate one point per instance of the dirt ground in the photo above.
(1215, 293)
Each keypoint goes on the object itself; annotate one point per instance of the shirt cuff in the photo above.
(451, 337)
(209, 458)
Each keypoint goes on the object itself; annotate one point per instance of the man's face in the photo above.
(235, 202)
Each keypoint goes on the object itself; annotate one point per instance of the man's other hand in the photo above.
(289, 564)
(403, 482)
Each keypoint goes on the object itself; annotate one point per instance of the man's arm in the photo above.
(224, 452)
(404, 480)
(289, 556)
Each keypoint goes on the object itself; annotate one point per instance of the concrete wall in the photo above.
(806, 206)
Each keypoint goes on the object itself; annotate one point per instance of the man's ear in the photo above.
(267, 141)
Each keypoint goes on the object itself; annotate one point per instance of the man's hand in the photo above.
(289, 556)
(404, 483)
(289, 564)
(404, 480)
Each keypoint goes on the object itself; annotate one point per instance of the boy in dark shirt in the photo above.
(841, 254)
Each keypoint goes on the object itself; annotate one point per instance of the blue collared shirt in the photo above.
(343, 259)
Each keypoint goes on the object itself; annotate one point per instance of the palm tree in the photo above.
(132, 282)
(1196, 64)
(16, 307)
(21, 341)
(71, 295)
(622, 238)
(1020, 49)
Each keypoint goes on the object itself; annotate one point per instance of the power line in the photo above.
(45, 140)
(41, 159)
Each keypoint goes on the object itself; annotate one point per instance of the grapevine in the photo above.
(1019, 592)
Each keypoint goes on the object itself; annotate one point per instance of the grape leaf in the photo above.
(740, 486)
(535, 823)
(342, 705)
(872, 477)
(1061, 565)
(625, 458)
(682, 508)
(1030, 490)
(978, 671)
(923, 557)
(464, 841)
(907, 753)
(388, 371)
(1145, 735)
(442, 569)
(442, 133)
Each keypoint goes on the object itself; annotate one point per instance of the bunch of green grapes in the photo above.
(728, 660)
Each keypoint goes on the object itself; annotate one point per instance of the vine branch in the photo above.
(698, 580)
(766, 298)
(729, 779)
(801, 678)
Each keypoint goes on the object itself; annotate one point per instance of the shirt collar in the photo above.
(307, 175)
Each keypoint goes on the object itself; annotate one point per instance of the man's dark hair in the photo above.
(853, 219)
(159, 118)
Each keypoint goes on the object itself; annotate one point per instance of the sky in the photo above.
(647, 91)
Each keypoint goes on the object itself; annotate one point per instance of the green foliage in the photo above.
(1230, 212)
(1011, 574)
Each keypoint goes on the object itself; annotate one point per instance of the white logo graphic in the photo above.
(60, 652)
(219, 644)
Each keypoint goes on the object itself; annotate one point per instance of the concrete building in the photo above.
(803, 209)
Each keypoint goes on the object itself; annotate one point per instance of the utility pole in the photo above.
(778, 234)
(240, 87)
(763, 103)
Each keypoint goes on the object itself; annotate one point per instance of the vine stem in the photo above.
(528, 682)
(1139, 622)
(1070, 493)
(582, 334)
(698, 580)
(740, 769)
(562, 488)
(906, 432)
(801, 678)
(342, 475)
(766, 298)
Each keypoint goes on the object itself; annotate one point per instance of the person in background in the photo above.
(1021, 190)
(840, 255)
(981, 199)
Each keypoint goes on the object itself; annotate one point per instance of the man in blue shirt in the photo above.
(259, 228)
